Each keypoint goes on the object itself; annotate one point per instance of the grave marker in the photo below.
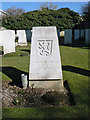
(68, 36)
(87, 36)
(8, 38)
(28, 35)
(82, 33)
(1, 38)
(58, 32)
(76, 34)
(45, 63)
(21, 37)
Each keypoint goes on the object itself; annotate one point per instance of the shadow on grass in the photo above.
(25, 50)
(70, 96)
(76, 70)
(75, 43)
(14, 74)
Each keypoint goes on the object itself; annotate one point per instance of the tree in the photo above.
(63, 18)
(85, 11)
(14, 12)
(48, 6)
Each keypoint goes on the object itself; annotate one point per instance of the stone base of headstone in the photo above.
(22, 44)
(51, 85)
(16, 44)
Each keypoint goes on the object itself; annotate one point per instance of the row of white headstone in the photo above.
(77, 34)
(7, 39)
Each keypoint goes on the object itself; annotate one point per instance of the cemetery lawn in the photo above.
(75, 71)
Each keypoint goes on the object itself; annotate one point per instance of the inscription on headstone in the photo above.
(44, 47)
(45, 63)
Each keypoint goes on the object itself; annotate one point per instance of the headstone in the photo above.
(45, 63)
(87, 36)
(58, 32)
(1, 38)
(8, 39)
(68, 36)
(62, 33)
(76, 34)
(28, 35)
(82, 33)
(21, 37)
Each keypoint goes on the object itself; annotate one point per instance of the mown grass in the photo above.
(51, 112)
(75, 71)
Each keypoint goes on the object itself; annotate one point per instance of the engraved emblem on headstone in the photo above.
(45, 47)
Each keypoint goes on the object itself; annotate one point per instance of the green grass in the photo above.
(52, 112)
(75, 71)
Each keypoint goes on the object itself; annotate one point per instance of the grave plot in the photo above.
(14, 96)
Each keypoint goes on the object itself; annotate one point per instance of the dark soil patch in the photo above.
(14, 96)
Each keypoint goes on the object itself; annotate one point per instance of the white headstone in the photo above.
(8, 39)
(62, 33)
(82, 33)
(45, 63)
(28, 35)
(1, 38)
(68, 36)
(22, 37)
(76, 34)
(87, 36)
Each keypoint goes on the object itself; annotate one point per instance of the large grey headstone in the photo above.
(76, 34)
(28, 35)
(8, 38)
(68, 36)
(45, 63)
(21, 37)
(87, 36)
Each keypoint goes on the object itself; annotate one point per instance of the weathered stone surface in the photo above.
(45, 63)
(68, 36)
(21, 37)
(8, 38)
